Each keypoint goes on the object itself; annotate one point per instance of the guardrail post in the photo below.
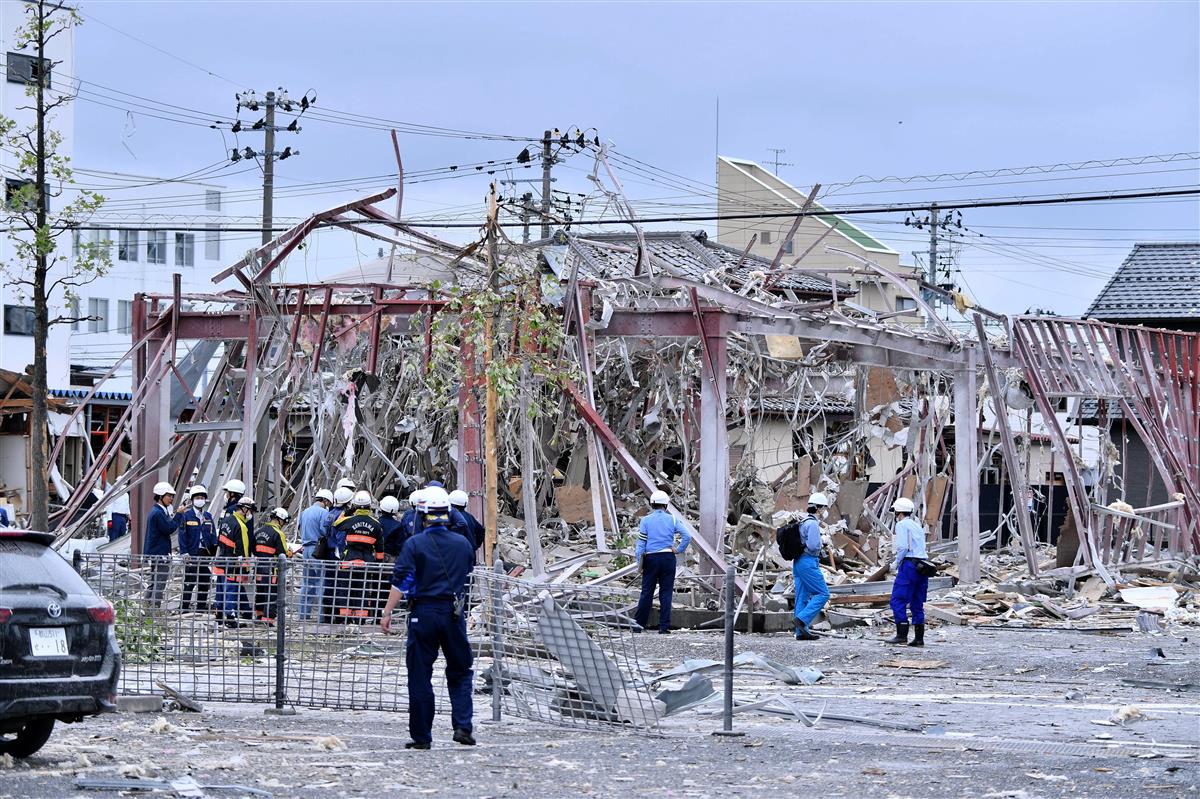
(77, 561)
(730, 620)
(281, 606)
(497, 639)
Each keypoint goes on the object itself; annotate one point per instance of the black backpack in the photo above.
(791, 544)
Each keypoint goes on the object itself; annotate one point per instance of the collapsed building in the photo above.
(559, 382)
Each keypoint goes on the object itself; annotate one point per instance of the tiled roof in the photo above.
(1157, 281)
(80, 393)
(687, 255)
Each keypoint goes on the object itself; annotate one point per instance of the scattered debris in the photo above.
(901, 663)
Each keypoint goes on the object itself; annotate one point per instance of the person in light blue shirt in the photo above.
(311, 522)
(811, 591)
(656, 550)
(910, 587)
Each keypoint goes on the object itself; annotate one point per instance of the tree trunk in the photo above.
(39, 504)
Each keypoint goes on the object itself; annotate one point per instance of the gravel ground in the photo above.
(1011, 714)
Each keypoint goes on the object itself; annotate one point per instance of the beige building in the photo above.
(744, 187)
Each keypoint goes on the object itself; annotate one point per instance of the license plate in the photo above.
(48, 642)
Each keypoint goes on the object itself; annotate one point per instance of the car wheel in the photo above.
(31, 738)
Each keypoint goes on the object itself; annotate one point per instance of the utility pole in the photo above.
(933, 256)
(547, 164)
(526, 203)
(268, 198)
(272, 101)
(778, 151)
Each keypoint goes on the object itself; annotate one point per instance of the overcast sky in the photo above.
(848, 89)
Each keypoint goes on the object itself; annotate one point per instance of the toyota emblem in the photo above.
(54, 609)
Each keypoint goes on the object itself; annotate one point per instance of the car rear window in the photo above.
(23, 562)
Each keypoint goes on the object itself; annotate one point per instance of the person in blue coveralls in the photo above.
(431, 574)
(197, 540)
(910, 587)
(312, 519)
(656, 550)
(161, 523)
(811, 591)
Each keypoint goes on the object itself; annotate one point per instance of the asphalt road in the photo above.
(1017, 714)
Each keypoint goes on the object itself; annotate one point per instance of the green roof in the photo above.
(851, 232)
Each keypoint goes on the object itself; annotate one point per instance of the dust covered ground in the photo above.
(1012, 713)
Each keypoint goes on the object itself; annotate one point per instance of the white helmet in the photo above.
(419, 501)
(362, 499)
(342, 496)
(435, 499)
(163, 488)
(389, 504)
(234, 487)
(459, 498)
(818, 499)
(325, 494)
(413, 496)
(903, 505)
(346, 482)
(196, 491)
(281, 514)
(247, 502)
(660, 498)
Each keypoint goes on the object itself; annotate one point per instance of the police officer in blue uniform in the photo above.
(432, 573)
(811, 590)
(472, 529)
(160, 525)
(197, 539)
(655, 552)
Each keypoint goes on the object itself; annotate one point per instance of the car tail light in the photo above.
(103, 614)
(5, 615)
(109, 524)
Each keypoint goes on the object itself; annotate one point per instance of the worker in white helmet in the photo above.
(234, 490)
(656, 553)
(910, 586)
(357, 585)
(161, 524)
(811, 590)
(393, 538)
(269, 543)
(235, 544)
(311, 521)
(198, 541)
(346, 482)
(410, 522)
(331, 546)
(471, 527)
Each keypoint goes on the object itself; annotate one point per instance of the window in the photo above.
(19, 195)
(156, 246)
(73, 310)
(28, 69)
(906, 304)
(185, 249)
(212, 242)
(764, 237)
(100, 240)
(18, 320)
(212, 200)
(787, 247)
(124, 315)
(76, 238)
(98, 310)
(127, 245)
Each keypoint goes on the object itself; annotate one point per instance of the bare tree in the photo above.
(38, 269)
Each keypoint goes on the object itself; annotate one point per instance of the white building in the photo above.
(21, 70)
(146, 248)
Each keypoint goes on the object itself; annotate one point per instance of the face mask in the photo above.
(198, 502)
(824, 514)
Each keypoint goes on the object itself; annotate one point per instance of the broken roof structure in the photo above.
(648, 342)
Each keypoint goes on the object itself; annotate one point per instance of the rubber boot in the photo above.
(802, 633)
(918, 635)
(901, 635)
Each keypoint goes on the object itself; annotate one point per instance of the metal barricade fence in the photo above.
(303, 632)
